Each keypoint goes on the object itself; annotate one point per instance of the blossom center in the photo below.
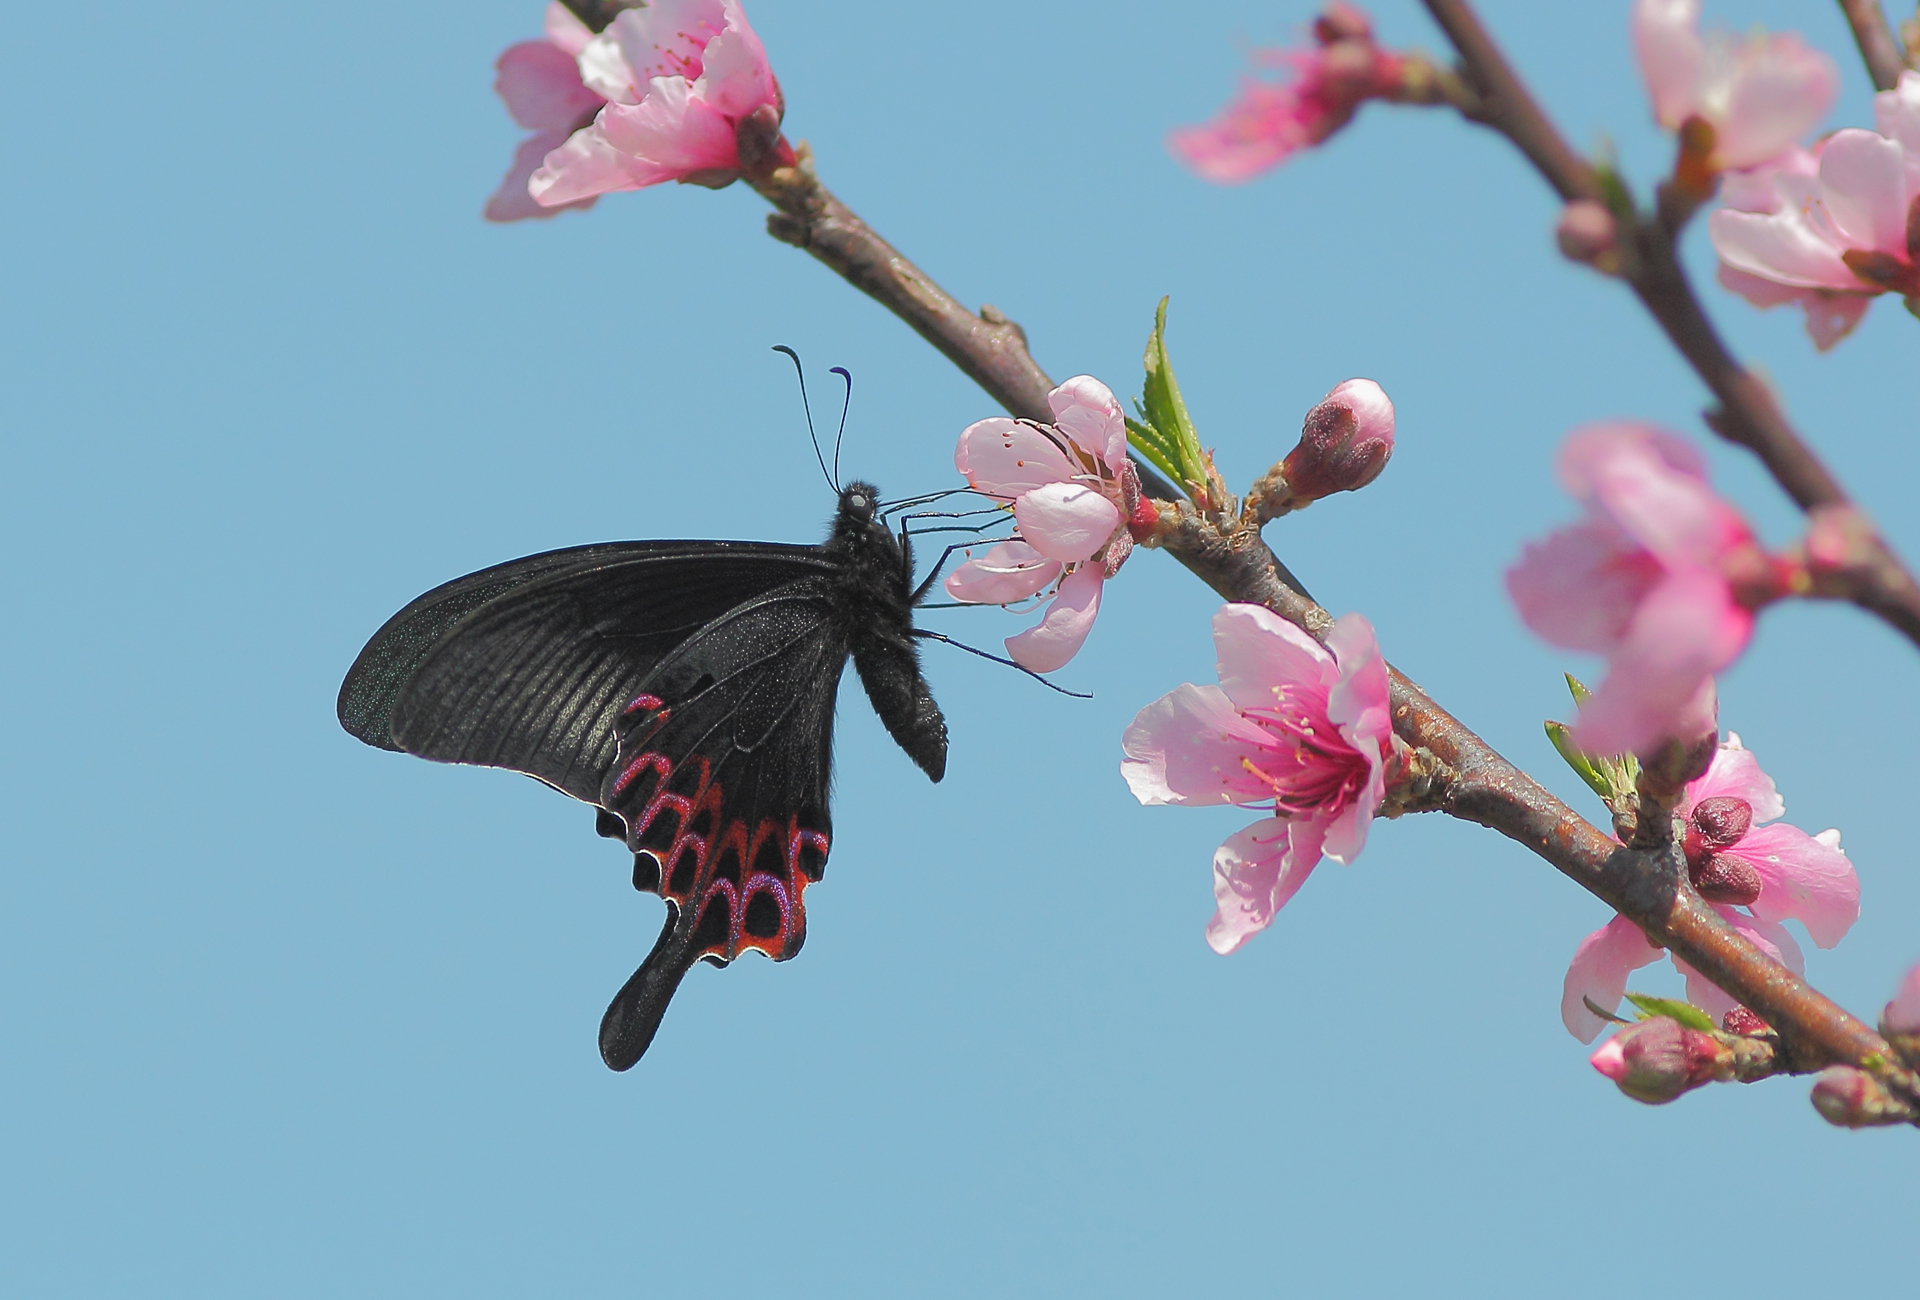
(1307, 764)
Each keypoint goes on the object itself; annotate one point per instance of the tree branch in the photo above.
(1651, 888)
(1747, 414)
(1879, 47)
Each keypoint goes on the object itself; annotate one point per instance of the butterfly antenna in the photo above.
(962, 645)
(804, 406)
(844, 407)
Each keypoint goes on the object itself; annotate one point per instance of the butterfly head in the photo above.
(859, 503)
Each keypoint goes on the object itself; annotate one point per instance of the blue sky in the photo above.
(287, 1016)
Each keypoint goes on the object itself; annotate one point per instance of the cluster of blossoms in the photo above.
(658, 96)
(1775, 872)
(1077, 506)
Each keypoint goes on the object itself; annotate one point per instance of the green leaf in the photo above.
(1562, 737)
(1685, 1012)
(1165, 434)
(1577, 688)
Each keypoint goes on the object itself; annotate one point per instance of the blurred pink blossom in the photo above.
(540, 83)
(1902, 1015)
(678, 77)
(1832, 228)
(1791, 875)
(1760, 94)
(1662, 577)
(1074, 495)
(1270, 120)
(1293, 725)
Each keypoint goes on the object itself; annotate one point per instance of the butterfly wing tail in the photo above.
(634, 1015)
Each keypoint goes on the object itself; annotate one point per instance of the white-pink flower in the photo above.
(1777, 873)
(540, 84)
(1268, 121)
(1829, 229)
(1662, 577)
(1295, 726)
(1074, 494)
(678, 77)
(1760, 94)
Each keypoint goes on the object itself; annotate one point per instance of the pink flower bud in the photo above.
(1657, 1060)
(1720, 822)
(1902, 1015)
(1724, 878)
(1742, 1021)
(1853, 1098)
(1344, 443)
(1588, 234)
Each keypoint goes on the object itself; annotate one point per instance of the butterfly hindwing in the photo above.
(722, 782)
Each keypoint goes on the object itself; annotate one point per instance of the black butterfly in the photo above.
(686, 689)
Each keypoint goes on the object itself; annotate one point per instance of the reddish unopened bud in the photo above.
(1724, 878)
(762, 147)
(1588, 234)
(1853, 1098)
(1658, 1059)
(1344, 443)
(1720, 822)
(1742, 1021)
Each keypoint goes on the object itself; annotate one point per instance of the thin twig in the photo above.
(1879, 47)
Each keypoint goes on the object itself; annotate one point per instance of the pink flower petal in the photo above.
(1864, 176)
(1755, 190)
(1004, 458)
(1064, 629)
(1666, 40)
(540, 85)
(737, 76)
(1261, 655)
(1686, 630)
(1186, 748)
(1803, 877)
(1359, 705)
(1599, 971)
(1255, 131)
(1066, 521)
(665, 38)
(1653, 485)
(1735, 774)
(564, 29)
(1008, 572)
(584, 166)
(1784, 247)
(1087, 411)
(670, 133)
(1579, 587)
(1896, 113)
(511, 202)
(1780, 92)
(1902, 1015)
(1254, 874)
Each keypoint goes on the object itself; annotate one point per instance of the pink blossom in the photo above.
(540, 83)
(1345, 442)
(1269, 121)
(1902, 1015)
(1829, 229)
(1074, 495)
(1777, 873)
(1662, 577)
(1293, 725)
(1760, 94)
(678, 77)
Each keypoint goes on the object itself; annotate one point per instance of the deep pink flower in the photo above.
(1073, 493)
(1295, 726)
(1760, 94)
(1830, 229)
(540, 83)
(678, 76)
(1662, 577)
(1270, 120)
(1777, 873)
(1902, 1015)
